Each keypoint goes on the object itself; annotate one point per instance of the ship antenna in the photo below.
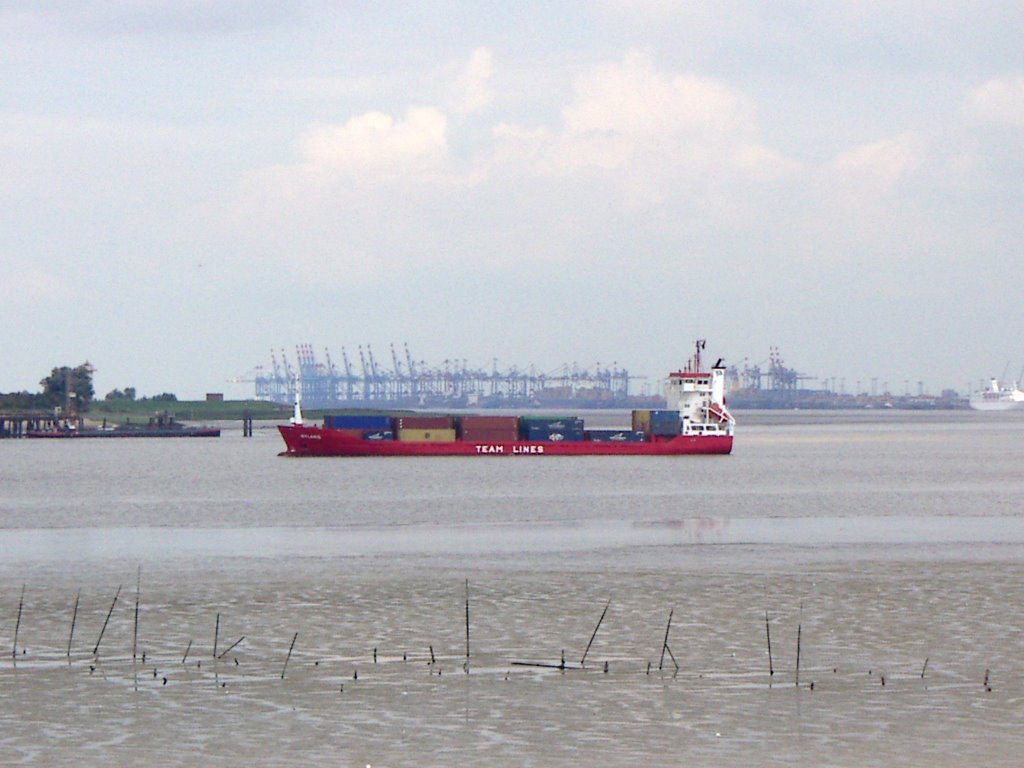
(297, 417)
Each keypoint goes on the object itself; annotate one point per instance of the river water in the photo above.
(888, 547)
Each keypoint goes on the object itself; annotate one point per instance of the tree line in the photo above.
(70, 386)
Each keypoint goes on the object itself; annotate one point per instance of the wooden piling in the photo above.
(135, 631)
(664, 643)
(96, 648)
(798, 628)
(74, 617)
(768, 632)
(230, 647)
(288, 657)
(216, 633)
(17, 626)
(584, 659)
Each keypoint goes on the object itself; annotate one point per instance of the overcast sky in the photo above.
(186, 185)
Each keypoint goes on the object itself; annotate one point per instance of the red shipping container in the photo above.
(489, 422)
(490, 435)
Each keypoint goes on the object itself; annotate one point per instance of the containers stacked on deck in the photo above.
(363, 426)
(425, 429)
(657, 423)
(488, 429)
(616, 435)
(549, 429)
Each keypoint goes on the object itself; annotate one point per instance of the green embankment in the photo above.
(119, 411)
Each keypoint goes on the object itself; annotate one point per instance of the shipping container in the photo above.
(545, 434)
(473, 435)
(642, 420)
(661, 423)
(665, 423)
(554, 423)
(378, 434)
(615, 435)
(488, 422)
(413, 435)
(664, 416)
(423, 422)
(358, 421)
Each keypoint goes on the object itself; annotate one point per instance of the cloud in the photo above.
(652, 129)
(376, 144)
(880, 165)
(473, 84)
(36, 285)
(999, 101)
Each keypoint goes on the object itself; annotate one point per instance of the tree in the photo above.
(117, 394)
(72, 386)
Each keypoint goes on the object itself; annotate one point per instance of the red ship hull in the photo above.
(318, 441)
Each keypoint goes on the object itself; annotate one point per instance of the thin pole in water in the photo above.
(584, 659)
(768, 632)
(216, 632)
(799, 626)
(17, 626)
(74, 617)
(664, 643)
(288, 657)
(135, 632)
(225, 653)
(467, 626)
(96, 648)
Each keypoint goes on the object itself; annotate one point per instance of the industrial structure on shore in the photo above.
(402, 382)
(409, 383)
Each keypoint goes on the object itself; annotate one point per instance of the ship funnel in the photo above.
(297, 416)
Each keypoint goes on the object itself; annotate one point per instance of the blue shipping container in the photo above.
(544, 434)
(551, 422)
(664, 416)
(615, 436)
(358, 421)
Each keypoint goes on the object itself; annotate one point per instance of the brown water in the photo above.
(887, 539)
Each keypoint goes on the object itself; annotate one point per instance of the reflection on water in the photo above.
(897, 549)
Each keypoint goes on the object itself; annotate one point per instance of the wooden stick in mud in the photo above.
(584, 659)
(467, 625)
(189, 648)
(135, 632)
(225, 653)
(798, 628)
(288, 657)
(664, 643)
(17, 626)
(216, 632)
(768, 632)
(74, 617)
(925, 667)
(672, 656)
(96, 648)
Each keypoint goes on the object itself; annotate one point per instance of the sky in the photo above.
(187, 185)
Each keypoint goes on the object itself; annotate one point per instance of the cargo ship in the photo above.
(696, 421)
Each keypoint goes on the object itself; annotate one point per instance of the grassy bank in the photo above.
(119, 411)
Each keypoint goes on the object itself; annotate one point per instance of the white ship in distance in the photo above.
(997, 398)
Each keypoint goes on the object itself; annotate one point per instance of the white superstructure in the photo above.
(699, 396)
